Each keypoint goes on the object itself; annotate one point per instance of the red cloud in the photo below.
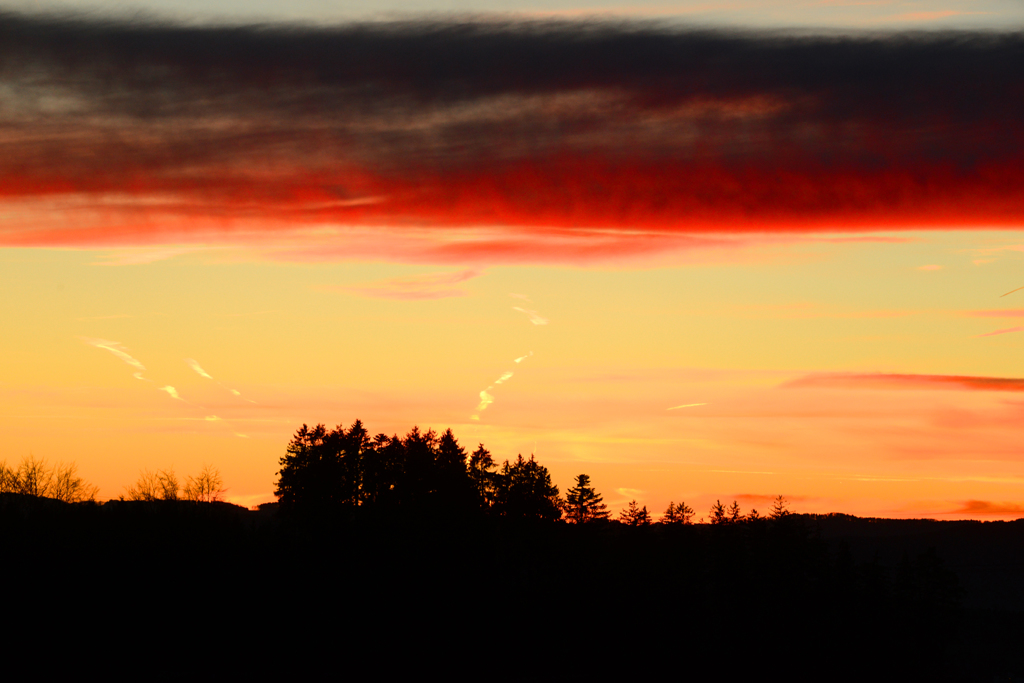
(893, 381)
(579, 142)
(984, 507)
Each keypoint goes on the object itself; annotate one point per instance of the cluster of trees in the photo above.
(336, 470)
(329, 471)
(34, 477)
(206, 487)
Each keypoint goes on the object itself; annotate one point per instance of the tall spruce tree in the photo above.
(583, 504)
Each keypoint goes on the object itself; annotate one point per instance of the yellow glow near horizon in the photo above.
(280, 345)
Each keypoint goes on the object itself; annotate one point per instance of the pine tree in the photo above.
(523, 490)
(779, 508)
(634, 515)
(718, 514)
(583, 504)
(677, 514)
(734, 513)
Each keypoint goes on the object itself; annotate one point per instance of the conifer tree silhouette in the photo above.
(634, 515)
(583, 504)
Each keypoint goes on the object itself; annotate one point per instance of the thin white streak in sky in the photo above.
(116, 349)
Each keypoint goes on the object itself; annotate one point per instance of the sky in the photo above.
(698, 251)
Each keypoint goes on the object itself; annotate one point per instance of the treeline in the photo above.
(35, 477)
(350, 473)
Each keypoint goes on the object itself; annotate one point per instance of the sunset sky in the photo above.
(696, 250)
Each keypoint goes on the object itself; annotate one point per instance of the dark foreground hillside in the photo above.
(170, 588)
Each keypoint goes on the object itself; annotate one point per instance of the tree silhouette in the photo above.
(734, 513)
(779, 508)
(67, 486)
(677, 514)
(311, 478)
(524, 490)
(583, 504)
(159, 485)
(206, 487)
(718, 514)
(634, 515)
(34, 478)
(484, 479)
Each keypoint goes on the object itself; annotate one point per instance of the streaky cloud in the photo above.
(686, 405)
(118, 350)
(417, 287)
(535, 317)
(997, 313)
(545, 133)
(984, 507)
(1004, 331)
(881, 381)
(198, 368)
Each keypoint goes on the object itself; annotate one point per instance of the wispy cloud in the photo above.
(118, 350)
(172, 392)
(535, 317)
(984, 507)
(1004, 331)
(930, 266)
(139, 256)
(929, 16)
(416, 287)
(896, 381)
(485, 400)
(198, 368)
(686, 405)
(998, 313)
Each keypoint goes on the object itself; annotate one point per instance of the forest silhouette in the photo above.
(403, 535)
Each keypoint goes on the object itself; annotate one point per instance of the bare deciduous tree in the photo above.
(34, 478)
(159, 485)
(207, 487)
(66, 485)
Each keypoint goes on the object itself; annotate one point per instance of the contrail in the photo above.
(194, 364)
(688, 405)
(1011, 292)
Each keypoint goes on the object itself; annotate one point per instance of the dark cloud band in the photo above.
(541, 125)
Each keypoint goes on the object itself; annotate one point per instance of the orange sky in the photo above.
(732, 290)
